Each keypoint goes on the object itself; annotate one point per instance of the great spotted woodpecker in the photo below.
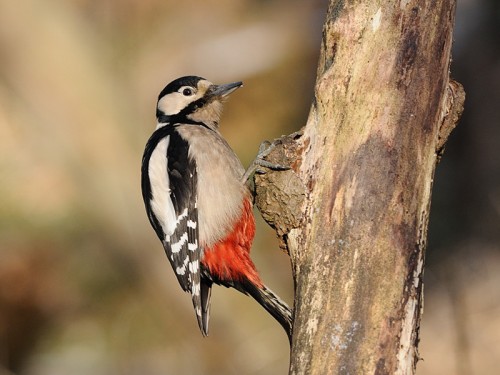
(197, 200)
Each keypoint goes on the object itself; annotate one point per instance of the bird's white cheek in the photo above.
(173, 103)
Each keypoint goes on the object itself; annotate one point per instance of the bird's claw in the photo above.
(265, 149)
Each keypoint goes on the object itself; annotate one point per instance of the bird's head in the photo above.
(193, 99)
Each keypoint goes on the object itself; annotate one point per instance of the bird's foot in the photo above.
(265, 149)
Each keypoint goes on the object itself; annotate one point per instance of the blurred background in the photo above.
(85, 287)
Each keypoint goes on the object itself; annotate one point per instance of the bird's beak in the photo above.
(224, 90)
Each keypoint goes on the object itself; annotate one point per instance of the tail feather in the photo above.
(262, 294)
(206, 293)
(201, 304)
(198, 311)
(273, 305)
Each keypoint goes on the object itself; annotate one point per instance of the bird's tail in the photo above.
(201, 303)
(273, 305)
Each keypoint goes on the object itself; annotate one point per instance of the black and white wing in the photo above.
(169, 182)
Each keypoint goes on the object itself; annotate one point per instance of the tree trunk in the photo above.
(353, 211)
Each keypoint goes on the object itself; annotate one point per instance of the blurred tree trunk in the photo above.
(354, 211)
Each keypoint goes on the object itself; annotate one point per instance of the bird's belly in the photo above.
(229, 259)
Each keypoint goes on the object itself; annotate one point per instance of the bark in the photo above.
(353, 211)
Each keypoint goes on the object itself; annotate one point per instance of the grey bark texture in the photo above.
(353, 211)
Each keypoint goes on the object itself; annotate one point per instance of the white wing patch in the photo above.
(161, 203)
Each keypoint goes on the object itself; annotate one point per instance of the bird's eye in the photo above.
(187, 92)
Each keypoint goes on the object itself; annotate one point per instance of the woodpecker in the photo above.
(197, 199)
